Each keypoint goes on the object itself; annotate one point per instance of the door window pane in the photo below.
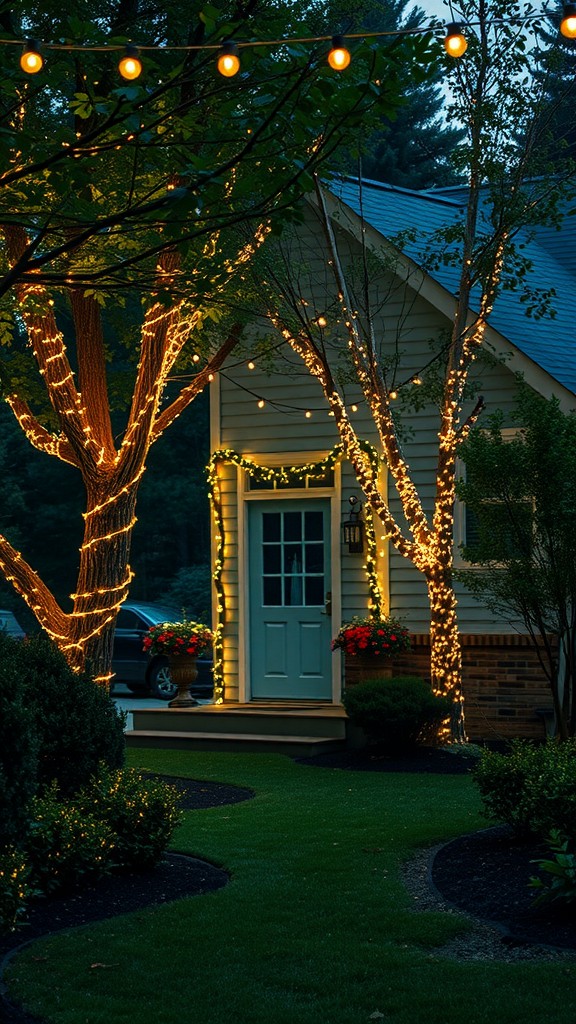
(314, 590)
(314, 555)
(313, 522)
(270, 526)
(293, 558)
(272, 558)
(272, 591)
(292, 526)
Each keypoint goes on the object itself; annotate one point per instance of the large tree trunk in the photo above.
(445, 647)
(103, 578)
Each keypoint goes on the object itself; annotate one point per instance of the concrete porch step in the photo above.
(234, 742)
(258, 720)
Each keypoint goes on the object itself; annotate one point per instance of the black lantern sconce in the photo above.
(353, 528)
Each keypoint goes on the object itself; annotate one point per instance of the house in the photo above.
(281, 489)
(287, 581)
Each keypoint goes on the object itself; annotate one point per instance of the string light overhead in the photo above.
(455, 42)
(339, 57)
(130, 66)
(31, 60)
(228, 60)
(568, 23)
(228, 63)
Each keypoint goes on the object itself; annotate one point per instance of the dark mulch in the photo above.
(487, 875)
(434, 760)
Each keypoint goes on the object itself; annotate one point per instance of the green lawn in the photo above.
(315, 926)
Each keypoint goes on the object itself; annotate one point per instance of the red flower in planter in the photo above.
(384, 637)
(193, 638)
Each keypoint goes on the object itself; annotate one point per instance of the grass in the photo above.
(315, 926)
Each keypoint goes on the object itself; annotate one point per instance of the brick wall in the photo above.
(503, 684)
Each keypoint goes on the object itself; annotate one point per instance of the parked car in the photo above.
(141, 672)
(9, 625)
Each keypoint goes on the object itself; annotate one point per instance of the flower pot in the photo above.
(360, 667)
(184, 672)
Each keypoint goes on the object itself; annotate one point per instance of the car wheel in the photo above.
(160, 682)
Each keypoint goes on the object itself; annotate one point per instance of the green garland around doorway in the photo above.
(283, 475)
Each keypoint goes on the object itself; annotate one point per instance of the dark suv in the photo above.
(142, 672)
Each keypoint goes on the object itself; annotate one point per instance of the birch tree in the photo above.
(500, 103)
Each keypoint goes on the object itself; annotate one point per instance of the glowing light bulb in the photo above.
(339, 57)
(251, 365)
(31, 60)
(455, 42)
(228, 62)
(568, 23)
(130, 67)
(261, 403)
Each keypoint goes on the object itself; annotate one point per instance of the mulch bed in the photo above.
(487, 874)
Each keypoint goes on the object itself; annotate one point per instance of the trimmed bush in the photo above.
(18, 756)
(78, 725)
(532, 787)
(140, 812)
(394, 713)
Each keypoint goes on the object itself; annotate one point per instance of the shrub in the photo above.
(65, 844)
(14, 888)
(77, 722)
(18, 755)
(140, 812)
(532, 787)
(394, 712)
(560, 886)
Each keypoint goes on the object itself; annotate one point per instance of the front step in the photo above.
(235, 742)
(300, 730)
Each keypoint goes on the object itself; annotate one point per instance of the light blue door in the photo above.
(290, 630)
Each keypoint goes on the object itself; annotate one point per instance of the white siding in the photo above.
(406, 323)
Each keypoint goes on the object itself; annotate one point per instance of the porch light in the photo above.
(353, 528)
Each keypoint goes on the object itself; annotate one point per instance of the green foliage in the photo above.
(18, 752)
(140, 812)
(522, 494)
(77, 723)
(14, 888)
(559, 883)
(532, 787)
(394, 712)
(66, 844)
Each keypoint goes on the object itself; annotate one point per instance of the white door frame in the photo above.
(244, 497)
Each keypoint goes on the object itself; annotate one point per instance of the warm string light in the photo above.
(130, 65)
(277, 474)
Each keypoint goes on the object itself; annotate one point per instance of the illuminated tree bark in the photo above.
(500, 156)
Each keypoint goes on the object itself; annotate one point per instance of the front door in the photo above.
(290, 626)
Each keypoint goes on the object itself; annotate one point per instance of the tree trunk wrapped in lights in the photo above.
(150, 199)
(504, 190)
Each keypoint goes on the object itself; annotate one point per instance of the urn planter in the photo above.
(184, 672)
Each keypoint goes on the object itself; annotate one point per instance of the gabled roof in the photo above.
(550, 341)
